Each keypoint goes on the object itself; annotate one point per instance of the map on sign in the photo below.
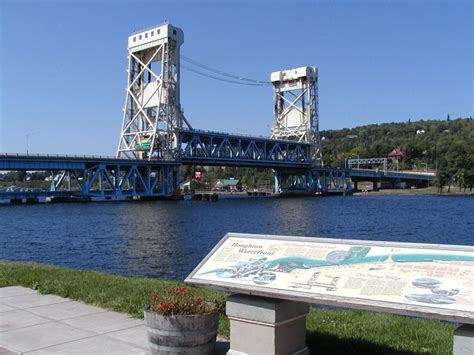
(417, 276)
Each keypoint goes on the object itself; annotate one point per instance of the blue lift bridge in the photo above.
(156, 138)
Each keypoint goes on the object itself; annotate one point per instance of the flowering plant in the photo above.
(179, 300)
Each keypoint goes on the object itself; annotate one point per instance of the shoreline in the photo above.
(426, 191)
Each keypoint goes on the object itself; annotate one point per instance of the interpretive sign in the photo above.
(425, 280)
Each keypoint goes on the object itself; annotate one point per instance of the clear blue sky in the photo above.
(63, 63)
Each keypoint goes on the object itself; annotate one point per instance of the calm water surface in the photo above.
(169, 238)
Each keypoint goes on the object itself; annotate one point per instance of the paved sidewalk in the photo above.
(32, 323)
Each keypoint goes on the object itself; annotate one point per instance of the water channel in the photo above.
(167, 239)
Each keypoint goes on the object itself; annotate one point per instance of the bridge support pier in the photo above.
(276, 178)
(375, 186)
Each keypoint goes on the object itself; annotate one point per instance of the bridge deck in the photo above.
(66, 162)
(105, 177)
(71, 162)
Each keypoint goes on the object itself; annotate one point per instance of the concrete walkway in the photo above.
(31, 323)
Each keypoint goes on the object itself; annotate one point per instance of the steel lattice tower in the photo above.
(296, 107)
(152, 114)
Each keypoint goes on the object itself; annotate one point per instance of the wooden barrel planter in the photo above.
(182, 334)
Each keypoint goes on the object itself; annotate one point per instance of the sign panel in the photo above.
(426, 280)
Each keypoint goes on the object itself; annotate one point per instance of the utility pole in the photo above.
(27, 143)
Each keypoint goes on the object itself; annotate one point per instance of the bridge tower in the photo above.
(152, 115)
(296, 108)
(296, 114)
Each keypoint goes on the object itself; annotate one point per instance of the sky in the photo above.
(63, 64)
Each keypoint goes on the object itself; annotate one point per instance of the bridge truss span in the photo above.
(357, 163)
(214, 148)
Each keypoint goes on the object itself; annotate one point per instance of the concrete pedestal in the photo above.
(260, 325)
(464, 340)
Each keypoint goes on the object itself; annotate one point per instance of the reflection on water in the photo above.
(169, 238)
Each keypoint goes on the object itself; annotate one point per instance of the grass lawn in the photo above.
(330, 331)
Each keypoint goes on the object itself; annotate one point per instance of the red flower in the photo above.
(154, 296)
(164, 307)
(199, 300)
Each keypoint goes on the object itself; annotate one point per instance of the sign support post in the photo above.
(261, 325)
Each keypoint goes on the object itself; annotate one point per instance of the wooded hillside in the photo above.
(445, 146)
